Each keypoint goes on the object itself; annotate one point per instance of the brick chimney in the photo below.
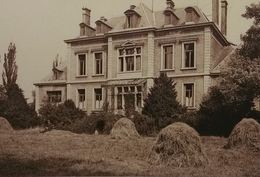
(86, 16)
(215, 11)
(170, 4)
(224, 8)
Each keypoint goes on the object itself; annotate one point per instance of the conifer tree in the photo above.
(161, 103)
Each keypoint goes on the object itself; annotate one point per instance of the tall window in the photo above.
(189, 95)
(82, 64)
(98, 99)
(54, 96)
(130, 59)
(98, 63)
(167, 57)
(81, 98)
(189, 55)
(129, 95)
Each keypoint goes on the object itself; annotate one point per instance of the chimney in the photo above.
(86, 16)
(224, 5)
(132, 7)
(215, 11)
(102, 18)
(170, 4)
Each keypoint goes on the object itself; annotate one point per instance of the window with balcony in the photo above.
(130, 59)
(81, 98)
(189, 98)
(98, 99)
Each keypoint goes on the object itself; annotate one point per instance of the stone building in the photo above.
(115, 61)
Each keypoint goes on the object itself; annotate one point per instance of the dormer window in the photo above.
(132, 18)
(170, 18)
(192, 15)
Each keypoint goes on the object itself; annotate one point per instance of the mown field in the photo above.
(57, 153)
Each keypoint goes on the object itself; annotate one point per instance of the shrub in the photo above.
(144, 124)
(103, 122)
(60, 116)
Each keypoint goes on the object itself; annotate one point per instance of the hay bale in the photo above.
(5, 126)
(178, 145)
(124, 128)
(246, 134)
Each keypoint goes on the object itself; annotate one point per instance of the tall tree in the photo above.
(232, 98)
(161, 103)
(10, 68)
(251, 40)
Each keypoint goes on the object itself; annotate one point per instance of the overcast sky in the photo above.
(38, 28)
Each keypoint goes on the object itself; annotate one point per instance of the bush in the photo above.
(103, 122)
(60, 116)
(144, 124)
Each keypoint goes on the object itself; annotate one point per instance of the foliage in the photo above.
(251, 40)
(232, 98)
(102, 122)
(16, 110)
(161, 103)
(60, 116)
(144, 124)
(10, 68)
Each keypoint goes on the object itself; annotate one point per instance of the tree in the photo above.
(251, 40)
(10, 67)
(16, 110)
(232, 98)
(14, 106)
(161, 103)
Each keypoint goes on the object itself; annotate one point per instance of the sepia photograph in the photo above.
(130, 88)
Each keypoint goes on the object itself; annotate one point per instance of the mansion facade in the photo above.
(115, 62)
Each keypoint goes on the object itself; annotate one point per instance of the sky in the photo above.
(39, 28)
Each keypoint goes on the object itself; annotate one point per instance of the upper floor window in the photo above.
(98, 63)
(130, 59)
(167, 59)
(81, 98)
(189, 55)
(82, 64)
(98, 98)
(54, 96)
(189, 98)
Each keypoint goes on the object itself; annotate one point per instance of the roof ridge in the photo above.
(145, 13)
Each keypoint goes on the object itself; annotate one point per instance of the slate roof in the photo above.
(153, 19)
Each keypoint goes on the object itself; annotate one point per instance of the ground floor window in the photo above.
(189, 99)
(81, 98)
(98, 98)
(129, 96)
(54, 96)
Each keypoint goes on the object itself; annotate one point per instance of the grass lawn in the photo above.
(57, 153)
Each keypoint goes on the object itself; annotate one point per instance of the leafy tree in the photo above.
(161, 103)
(10, 68)
(232, 98)
(251, 40)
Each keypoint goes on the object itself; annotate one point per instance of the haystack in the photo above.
(5, 126)
(246, 134)
(178, 145)
(124, 128)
